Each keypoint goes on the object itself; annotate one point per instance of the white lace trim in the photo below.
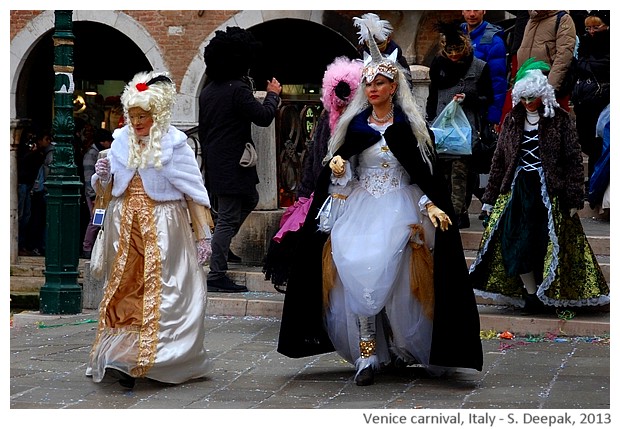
(369, 299)
(382, 180)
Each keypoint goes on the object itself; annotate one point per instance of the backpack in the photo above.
(490, 31)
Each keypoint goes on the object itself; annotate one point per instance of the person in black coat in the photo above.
(227, 109)
(30, 158)
(591, 93)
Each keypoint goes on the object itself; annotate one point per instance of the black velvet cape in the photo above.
(456, 326)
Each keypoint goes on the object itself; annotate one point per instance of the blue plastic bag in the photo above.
(452, 131)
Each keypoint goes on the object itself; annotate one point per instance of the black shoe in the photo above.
(533, 305)
(225, 285)
(125, 380)
(397, 364)
(366, 377)
(463, 221)
(233, 258)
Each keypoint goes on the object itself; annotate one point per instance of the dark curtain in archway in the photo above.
(100, 53)
(296, 52)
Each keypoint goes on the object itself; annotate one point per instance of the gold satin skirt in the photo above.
(151, 317)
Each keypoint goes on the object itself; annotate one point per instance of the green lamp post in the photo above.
(61, 293)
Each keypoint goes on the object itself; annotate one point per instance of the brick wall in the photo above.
(19, 19)
(179, 33)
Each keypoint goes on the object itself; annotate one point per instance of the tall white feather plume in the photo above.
(371, 25)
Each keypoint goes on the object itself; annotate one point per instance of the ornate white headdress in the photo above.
(372, 29)
(154, 92)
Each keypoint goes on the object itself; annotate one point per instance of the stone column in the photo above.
(265, 140)
(421, 84)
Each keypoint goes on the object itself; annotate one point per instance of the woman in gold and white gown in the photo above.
(151, 317)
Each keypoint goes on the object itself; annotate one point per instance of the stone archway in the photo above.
(24, 44)
(26, 40)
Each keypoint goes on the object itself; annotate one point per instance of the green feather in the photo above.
(531, 64)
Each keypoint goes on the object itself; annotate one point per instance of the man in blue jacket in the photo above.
(489, 46)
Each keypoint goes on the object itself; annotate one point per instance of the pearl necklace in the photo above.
(386, 118)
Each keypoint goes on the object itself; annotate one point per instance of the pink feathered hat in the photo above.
(340, 81)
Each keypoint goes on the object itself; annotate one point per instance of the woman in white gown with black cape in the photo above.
(388, 286)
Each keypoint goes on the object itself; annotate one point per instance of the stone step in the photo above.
(28, 275)
(34, 266)
(586, 322)
(598, 232)
(493, 318)
(23, 280)
(260, 298)
(471, 241)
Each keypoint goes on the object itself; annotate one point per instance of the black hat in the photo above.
(230, 53)
(602, 14)
(452, 37)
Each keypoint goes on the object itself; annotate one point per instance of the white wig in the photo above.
(404, 98)
(534, 84)
(153, 92)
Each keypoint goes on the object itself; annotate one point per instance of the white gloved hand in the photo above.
(102, 168)
(573, 212)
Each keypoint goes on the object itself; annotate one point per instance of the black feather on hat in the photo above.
(452, 36)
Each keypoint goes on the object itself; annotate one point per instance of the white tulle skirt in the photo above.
(372, 258)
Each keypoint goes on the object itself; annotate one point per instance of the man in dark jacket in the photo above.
(30, 157)
(227, 109)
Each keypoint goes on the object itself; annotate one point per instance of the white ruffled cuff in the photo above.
(424, 201)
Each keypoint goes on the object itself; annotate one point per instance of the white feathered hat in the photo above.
(372, 28)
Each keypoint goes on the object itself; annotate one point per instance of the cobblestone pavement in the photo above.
(545, 374)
